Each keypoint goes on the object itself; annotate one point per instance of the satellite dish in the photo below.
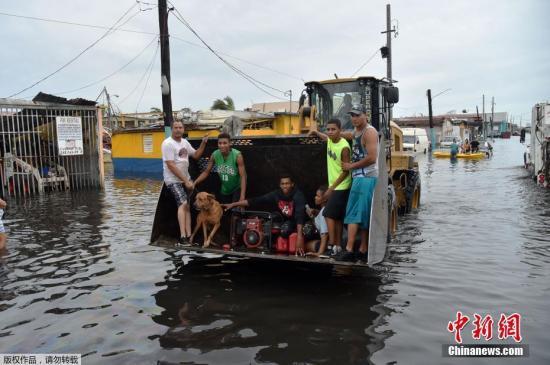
(233, 126)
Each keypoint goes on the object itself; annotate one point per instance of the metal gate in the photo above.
(32, 160)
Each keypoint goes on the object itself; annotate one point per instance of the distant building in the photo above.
(135, 120)
(275, 107)
(463, 125)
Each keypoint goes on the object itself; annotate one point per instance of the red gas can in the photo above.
(292, 243)
(281, 245)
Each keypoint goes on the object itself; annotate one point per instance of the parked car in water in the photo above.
(447, 141)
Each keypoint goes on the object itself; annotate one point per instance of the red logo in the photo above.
(286, 208)
(483, 327)
(508, 326)
(458, 325)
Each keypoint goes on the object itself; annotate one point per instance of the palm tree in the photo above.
(223, 104)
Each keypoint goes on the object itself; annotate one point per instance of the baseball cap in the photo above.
(356, 110)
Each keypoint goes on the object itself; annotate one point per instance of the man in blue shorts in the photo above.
(364, 172)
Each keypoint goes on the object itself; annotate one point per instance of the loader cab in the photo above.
(334, 99)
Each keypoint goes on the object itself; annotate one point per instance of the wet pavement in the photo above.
(80, 277)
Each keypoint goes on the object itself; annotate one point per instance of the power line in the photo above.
(111, 74)
(242, 60)
(249, 78)
(365, 63)
(118, 29)
(49, 20)
(78, 55)
(150, 65)
(147, 81)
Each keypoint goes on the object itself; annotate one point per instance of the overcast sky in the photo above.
(496, 48)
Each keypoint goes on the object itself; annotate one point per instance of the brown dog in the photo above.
(210, 215)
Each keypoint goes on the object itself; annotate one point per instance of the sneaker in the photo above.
(363, 257)
(345, 256)
(184, 241)
(336, 250)
(328, 251)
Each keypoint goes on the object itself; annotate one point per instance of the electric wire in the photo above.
(78, 55)
(111, 74)
(143, 76)
(147, 81)
(246, 76)
(365, 63)
(118, 29)
(49, 20)
(241, 60)
(249, 78)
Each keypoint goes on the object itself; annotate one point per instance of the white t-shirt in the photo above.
(321, 222)
(178, 152)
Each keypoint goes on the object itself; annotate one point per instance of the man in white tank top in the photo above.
(364, 169)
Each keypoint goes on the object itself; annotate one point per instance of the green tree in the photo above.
(155, 110)
(223, 104)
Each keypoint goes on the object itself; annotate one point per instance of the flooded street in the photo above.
(80, 277)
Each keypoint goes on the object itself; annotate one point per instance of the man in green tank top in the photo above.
(229, 164)
(339, 182)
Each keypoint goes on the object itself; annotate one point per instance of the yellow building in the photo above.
(139, 150)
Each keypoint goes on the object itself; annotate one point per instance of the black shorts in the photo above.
(230, 198)
(336, 205)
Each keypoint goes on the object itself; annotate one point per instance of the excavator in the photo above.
(304, 157)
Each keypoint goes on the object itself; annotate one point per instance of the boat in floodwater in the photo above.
(467, 156)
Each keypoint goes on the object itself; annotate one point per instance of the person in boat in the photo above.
(474, 146)
(176, 151)
(3, 236)
(229, 164)
(318, 245)
(339, 182)
(289, 201)
(454, 148)
(364, 173)
(466, 146)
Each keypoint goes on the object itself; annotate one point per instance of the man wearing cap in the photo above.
(364, 172)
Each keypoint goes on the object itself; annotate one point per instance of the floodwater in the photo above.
(80, 277)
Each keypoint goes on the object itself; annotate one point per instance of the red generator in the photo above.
(253, 235)
(253, 229)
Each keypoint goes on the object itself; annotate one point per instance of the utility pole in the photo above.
(108, 109)
(492, 117)
(388, 53)
(477, 116)
(484, 121)
(430, 118)
(388, 42)
(165, 67)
